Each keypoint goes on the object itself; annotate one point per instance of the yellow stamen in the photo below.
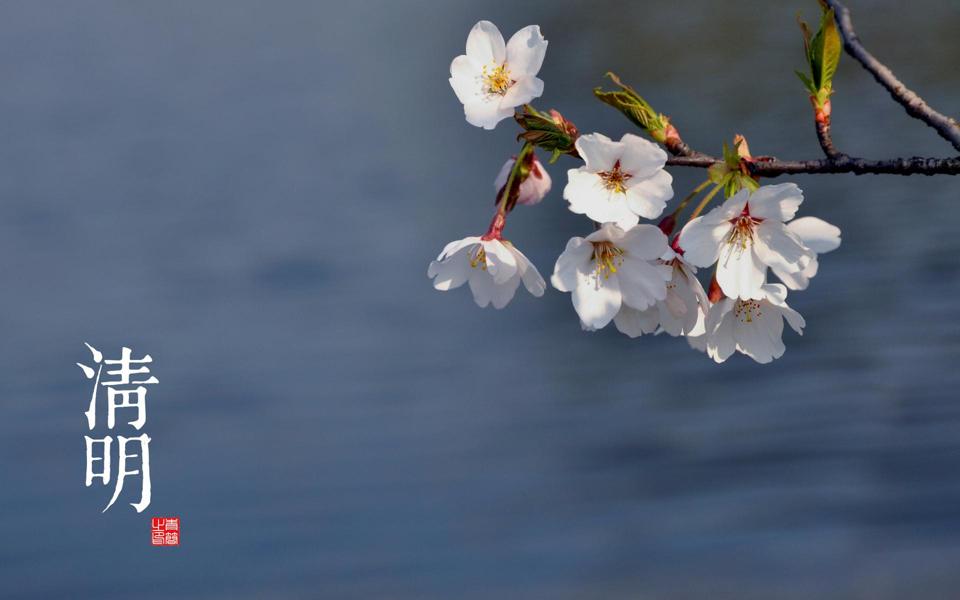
(479, 259)
(607, 258)
(742, 232)
(615, 179)
(746, 310)
(497, 80)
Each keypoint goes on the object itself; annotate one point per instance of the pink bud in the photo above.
(536, 186)
(715, 294)
(667, 224)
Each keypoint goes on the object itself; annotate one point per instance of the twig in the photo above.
(915, 106)
(823, 136)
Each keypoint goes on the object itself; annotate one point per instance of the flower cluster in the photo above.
(642, 277)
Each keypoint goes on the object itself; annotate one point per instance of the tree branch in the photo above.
(915, 106)
(843, 164)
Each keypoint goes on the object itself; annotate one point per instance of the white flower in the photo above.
(494, 269)
(492, 79)
(744, 236)
(753, 327)
(620, 181)
(817, 235)
(534, 188)
(677, 313)
(611, 268)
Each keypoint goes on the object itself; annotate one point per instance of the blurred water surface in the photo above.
(251, 192)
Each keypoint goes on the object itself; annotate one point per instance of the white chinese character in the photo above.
(105, 474)
(122, 471)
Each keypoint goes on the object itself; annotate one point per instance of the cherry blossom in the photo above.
(751, 326)
(620, 181)
(677, 313)
(612, 268)
(744, 236)
(493, 268)
(494, 78)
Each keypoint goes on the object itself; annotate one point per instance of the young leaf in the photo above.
(632, 105)
(830, 51)
(807, 83)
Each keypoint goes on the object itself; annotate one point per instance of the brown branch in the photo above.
(685, 156)
(915, 106)
(843, 164)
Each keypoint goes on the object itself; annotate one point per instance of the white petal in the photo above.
(608, 232)
(642, 284)
(777, 296)
(816, 234)
(702, 238)
(679, 312)
(697, 337)
(779, 202)
(776, 246)
(645, 242)
(719, 325)
(522, 91)
(450, 273)
(760, 337)
(486, 112)
(455, 246)
(503, 294)
(485, 44)
(525, 51)
(798, 280)
(587, 195)
(731, 208)
(465, 79)
(647, 197)
(528, 273)
(501, 262)
(634, 323)
(739, 272)
(595, 299)
(577, 254)
(599, 152)
(486, 291)
(639, 157)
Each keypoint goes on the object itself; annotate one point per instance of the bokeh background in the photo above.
(251, 192)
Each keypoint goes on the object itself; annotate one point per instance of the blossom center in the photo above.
(747, 310)
(607, 258)
(479, 259)
(615, 179)
(496, 79)
(744, 226)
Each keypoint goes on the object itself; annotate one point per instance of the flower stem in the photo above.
(510, 190)
(683, 203)
(703, 203)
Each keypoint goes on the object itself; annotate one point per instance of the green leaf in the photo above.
(633, 106)
(717, 172)
(807, 83)
(731, 156)
(830, 51)
(823, 51)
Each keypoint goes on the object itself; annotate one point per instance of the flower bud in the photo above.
(551, 131)
(714, 293)
(667, 224)
(533, 189)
